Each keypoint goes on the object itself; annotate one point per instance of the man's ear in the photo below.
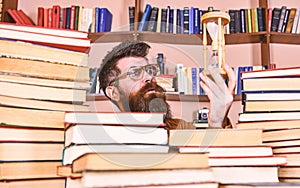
(113, 93)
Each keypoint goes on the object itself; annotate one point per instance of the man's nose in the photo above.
(149, 78)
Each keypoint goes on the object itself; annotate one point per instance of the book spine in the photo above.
(290, 20)
(131, 11)
(151, 26)
(40, 16)
(186, 20)
(196, 21)
(281, 18)
(232, 21)
(145, 18)
(261, 18)
(55, 16)
(243, 20)
(275, 19)
(171, 15)
(285, 20)
(163, 27)
(191, 20)
(296, 21)
(158, 21)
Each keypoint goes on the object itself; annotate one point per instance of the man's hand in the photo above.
(219, 94)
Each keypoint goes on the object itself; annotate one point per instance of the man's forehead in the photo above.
(127, 62)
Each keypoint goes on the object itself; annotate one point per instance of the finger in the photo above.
(231, 78)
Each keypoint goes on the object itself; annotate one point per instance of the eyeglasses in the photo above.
(137, 72)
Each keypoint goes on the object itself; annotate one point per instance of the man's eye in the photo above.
(135, 72)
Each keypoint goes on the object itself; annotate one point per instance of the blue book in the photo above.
(191, 20)
(196, 21)
(97, 21)
(68, 17)
(145, 18)
(195, 81)
(171, 18)
(105, 20)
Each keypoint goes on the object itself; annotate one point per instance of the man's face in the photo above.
(142, 95)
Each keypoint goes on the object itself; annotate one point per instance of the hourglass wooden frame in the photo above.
(222, 19)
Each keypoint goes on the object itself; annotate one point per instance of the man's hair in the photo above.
(108, 69)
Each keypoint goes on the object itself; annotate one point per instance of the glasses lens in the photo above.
(135, 73)
(152, 69)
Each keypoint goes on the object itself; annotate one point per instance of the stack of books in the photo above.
(271, 102)
(235, 155)
(107, 149)
(39, 83)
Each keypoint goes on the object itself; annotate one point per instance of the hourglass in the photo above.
(214, 23)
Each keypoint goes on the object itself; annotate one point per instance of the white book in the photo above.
(296, 21)
(73, 152)
(115, 134)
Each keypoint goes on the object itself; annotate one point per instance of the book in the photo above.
(275, 84)
(247, 161)
(270, 125)
(26, 19)
(296, 20)
(290, 20)
(39, 104)
(245, 174)
(145, 18)
(266, 116)
(27, 50)
(145, 177)
(34, 183)
(139, 161)
(286, 150)
(275, 19)
(289, 172)
(271, 106)
(272, 96)
(23, 134)
(293, 159)
(230, 151)
(105, 20)
(131, 12)
(28, 170)
(284, 143)
(115, 118)
(44, 30)
(284, 134)
(113, 134)
(15, 78)
(281, 18)
(23, 117)
(42, 92)
(285, 20)
(215, 137)
(72, 152)
(278, 72)
(152, 23)
(66, 171)
(42, 69)
(15, 16)
(16, 32)
(31, 151)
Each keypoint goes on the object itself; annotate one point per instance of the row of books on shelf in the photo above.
(74, 17)
(187, 20)
(271, 103)
(284, 19)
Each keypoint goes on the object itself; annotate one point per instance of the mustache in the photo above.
(151, 86)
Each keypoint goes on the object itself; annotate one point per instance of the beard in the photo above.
(150, 98)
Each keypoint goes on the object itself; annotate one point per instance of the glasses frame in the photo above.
(143, 68)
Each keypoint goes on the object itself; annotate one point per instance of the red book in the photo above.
(15, 16)
(72, 17)
(46, 17)
(44, 36)
(49, 17)
(55, 16)
(26, 19)
(40, 16)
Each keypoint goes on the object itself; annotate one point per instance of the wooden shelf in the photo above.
(189, 39)
(284, 38)
(170, 97)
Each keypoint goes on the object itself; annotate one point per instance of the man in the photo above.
(128, 80)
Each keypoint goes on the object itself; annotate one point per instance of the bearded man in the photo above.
(127, 79)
